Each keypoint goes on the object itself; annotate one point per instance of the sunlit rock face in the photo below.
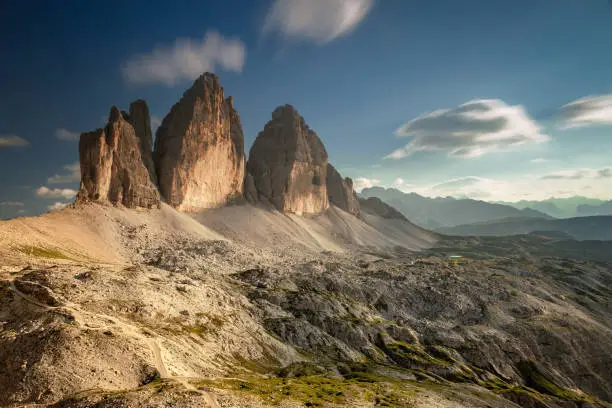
(340, 191)
(288, 165)
(199, 149)
(112, 166)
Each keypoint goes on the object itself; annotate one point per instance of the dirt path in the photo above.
(149, 337)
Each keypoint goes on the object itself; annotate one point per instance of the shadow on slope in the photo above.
(581, 228)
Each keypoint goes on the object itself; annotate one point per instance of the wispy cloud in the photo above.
(12, 141)
(11, 204)
(590, 110)
(46, 192)
(458, 183)
(57, 206)
(319, 21)
(74, 174)
(540, 160)
(480, 188)
(186, 59)
(470, 130)
(579, 174)
(66, 135)
(362, 182)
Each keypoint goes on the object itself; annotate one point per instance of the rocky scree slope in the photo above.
(525, 330)
(191, 318)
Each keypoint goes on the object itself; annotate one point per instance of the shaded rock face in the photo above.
(140, 119)
(112, 166)
(340, 191)
(288, 165)
(376, 206)
(199, 149)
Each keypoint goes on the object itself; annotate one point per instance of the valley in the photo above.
(202, 312)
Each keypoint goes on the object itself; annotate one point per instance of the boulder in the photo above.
(140, 119)
(199, 149)
(288, 164)
(112, 166)
(340, 191)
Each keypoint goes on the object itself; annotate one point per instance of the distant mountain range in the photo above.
(580, 228)
(434, 213)
(566, 207)
(604, 208)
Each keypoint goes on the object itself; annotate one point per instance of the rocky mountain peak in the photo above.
(199, 149)
(288, 165)
(140, 119)
(286, 110)
(207, 78)
(115, 115)
(340, 191)
(198, 160)
(112, 165)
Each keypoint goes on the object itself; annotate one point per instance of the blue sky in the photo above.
(361, 72)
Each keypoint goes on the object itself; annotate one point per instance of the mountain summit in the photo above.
(288, 164)
(113, 166)
(199, 149)
(199, 160)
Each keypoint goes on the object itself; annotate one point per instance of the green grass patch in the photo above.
(538, 381)
(403, 353)
(41, 252)
(321, 390)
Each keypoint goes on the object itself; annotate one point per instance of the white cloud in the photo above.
(464, 187)
(590, 110)
(67, 135)
(155, 123)
(565, 183)
(319, 21)
(11, 204)
(57, 206)
(186, 59)
(12, 141)
(361, 182)
(46, 192)
(398, 182)
(470, 130)
(401, 184)
(73, 175)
